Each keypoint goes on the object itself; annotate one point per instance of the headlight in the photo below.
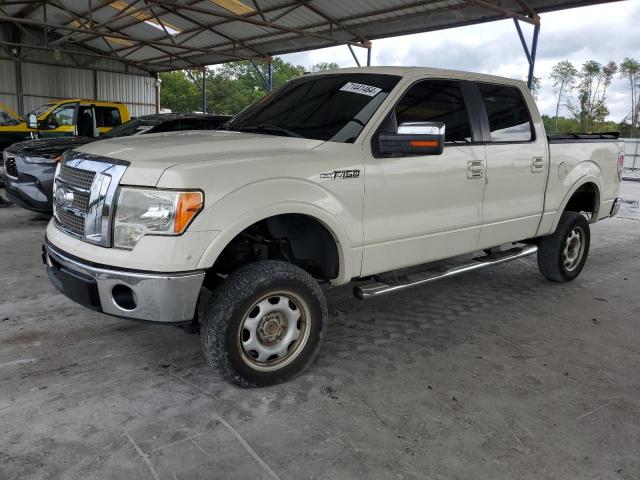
(142, 211)
(42, 160)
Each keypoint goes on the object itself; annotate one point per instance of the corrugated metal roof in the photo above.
(161, 35)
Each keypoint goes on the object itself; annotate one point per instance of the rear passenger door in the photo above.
(517, 166)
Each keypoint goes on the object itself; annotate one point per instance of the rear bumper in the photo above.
(150, 296)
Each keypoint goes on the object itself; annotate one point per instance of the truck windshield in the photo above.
(41, 109)
(133, 127)
(330, 107)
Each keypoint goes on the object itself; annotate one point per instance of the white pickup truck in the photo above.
(340, 176)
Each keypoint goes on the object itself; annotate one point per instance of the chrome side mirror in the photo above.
(421, 128)
(32, 121)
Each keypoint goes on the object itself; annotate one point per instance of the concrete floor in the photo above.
(495, 375)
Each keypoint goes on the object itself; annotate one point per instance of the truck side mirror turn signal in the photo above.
(415, 138)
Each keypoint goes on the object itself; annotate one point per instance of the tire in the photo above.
(562, 255)
(248, 333)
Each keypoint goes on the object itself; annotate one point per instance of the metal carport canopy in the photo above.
(162, 35)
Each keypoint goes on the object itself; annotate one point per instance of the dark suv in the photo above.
(30, 165)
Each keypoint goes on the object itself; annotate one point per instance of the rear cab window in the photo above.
(507, 113)
(107, 117)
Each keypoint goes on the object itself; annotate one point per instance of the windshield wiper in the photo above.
(268, 127)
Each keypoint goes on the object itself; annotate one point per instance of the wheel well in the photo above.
(585, 199)
(296, 238)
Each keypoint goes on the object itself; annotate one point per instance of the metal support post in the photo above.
(270, 77)
(530, 54)
(369, 56)
(204, 89)
(157, 86)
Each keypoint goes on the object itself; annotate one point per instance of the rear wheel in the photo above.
(562, 255)
(264, 324)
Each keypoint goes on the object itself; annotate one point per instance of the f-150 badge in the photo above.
(337, 174)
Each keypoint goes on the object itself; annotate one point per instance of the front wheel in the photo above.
(562, 255)
(264, 324)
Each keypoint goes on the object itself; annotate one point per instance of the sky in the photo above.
(601, 33)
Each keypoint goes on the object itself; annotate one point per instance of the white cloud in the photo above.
(602, 33)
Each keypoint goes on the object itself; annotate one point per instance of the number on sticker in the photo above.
(361, 89)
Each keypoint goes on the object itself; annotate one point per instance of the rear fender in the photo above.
(580, 175)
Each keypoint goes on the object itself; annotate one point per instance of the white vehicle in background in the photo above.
(348, 175)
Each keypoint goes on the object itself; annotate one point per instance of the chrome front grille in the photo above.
(83, 196)
(71, 222)
(77, 177)
(81, 201)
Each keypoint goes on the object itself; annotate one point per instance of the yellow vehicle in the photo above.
(87, 118)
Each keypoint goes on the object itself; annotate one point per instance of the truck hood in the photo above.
(150, 155)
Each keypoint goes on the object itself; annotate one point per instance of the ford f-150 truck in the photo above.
(349, 175)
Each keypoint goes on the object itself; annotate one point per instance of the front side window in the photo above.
(107, 116)
(508, 115)
(6, 119)
(62, 116)
(437, 101)
(330, 107)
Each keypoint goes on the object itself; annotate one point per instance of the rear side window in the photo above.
(509, 119)
(107, 117)
(437, 101)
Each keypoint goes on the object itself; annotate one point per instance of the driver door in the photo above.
(421, 208)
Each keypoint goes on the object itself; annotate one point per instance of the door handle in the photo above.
(475, 169)
(537, 164)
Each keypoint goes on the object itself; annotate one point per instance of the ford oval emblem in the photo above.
(63, 197)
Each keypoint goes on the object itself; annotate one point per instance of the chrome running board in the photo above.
(381, 288)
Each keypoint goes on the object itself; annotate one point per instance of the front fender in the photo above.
(237, 211)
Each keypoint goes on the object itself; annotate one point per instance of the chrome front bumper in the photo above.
(155, 297)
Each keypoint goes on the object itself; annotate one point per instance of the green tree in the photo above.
(178, 92)
(572, 125)
(594, 79)
(564, 76)
(324, 66)
(536, 85)
(630, 69)
(230, 86)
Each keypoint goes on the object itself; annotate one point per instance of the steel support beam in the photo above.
(266, 81)
(353, 54)
(270, 77)
(204, 89)
(530, 54)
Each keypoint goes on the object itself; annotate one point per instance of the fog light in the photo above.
(124, 297)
